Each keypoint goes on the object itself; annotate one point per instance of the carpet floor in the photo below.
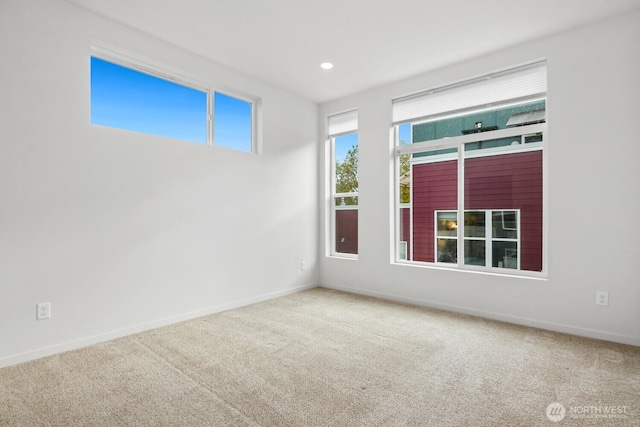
(329, 358)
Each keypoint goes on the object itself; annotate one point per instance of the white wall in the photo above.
(123, 231)
(593, 151)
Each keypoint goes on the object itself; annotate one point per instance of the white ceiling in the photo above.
(371, 42)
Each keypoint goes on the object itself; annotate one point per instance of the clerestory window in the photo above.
(135, 97)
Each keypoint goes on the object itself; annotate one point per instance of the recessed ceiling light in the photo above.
(326, 65)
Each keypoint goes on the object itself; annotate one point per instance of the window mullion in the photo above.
(396, 198)
(518, 242)
(332, 168)
(210, 116)
(488, 235)
(460, 213)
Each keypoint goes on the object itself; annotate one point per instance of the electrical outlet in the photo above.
(43, 311)
(303, 265)
(602, 298)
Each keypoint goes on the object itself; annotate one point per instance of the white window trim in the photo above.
(333, 195)
(458, 142)
(395, 238)
(163, 71)
(336, 125)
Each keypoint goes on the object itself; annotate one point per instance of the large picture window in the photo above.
(471, 154)
(343, 140)
(138, 98)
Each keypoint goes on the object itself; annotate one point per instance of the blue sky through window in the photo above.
(232, 122)
(344, 144)
(405, 133)
(128, 99)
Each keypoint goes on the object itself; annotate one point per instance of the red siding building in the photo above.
(511, 181)
(347, 230)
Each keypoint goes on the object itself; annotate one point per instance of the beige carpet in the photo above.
(327, 358)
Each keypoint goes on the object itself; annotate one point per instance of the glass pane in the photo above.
(508, 183)
(474, 252)
(346, 168)
(404, 237)
(404, 165)
(402, 250)
(404, 134)
(346, 202)
(481, 121)
(124, 98)
(447, 224)
(447, 250)
(505, 224)
(346, 225)
(505, 254)
(404, 178)
(474, 224)
(433, 179)
(404, 195)
(232, 122)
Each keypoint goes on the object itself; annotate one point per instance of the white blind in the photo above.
(343, 123)
(493, 89)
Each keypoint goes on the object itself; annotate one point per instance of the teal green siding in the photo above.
(454, 126)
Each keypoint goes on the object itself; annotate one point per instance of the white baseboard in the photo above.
(84, 342)
(540, 324)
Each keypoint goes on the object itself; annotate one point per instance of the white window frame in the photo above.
(458, 142)
(254, 102)
(512, 86)
(162, 71)
(334, 207)
(338, 125)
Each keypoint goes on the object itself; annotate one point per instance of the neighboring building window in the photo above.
(343, 137)
(446, 240)
(471, 154)
(157, 103)
(491, 238)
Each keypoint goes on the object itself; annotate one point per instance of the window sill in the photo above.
(531, 275)
(349, 257)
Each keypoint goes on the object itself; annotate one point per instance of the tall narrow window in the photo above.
(469, 173)
(142, 99)
(343, 139)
